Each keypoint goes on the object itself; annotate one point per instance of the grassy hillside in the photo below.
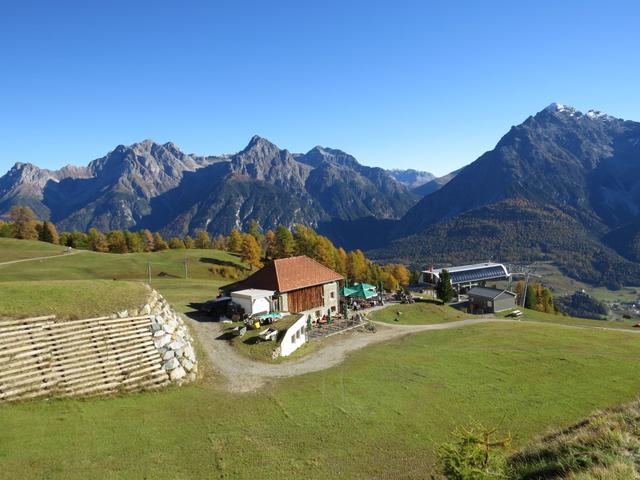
(71, 299)
(56, 284)
(380, 414)
(129, 266)
(536, 316)
(13, 249)
(605, 446)
(420, 313)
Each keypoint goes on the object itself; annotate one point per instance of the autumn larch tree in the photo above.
(147, 238)
(234, 242)
(251, 251)
(117, 242)
(202, 239)
(270, 244)
(24, 225)
(176, 243)
(158, 243)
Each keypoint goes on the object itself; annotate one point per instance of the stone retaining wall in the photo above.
(172, 339)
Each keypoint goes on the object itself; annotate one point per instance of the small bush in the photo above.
(227, 272)
(475, 454)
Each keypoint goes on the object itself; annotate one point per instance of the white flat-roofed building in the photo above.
(253, 300)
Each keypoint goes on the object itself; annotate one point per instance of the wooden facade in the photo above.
(305, 299)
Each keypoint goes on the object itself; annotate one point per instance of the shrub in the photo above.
(474, 454)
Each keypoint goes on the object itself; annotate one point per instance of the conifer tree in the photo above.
(48, 233)
(255, 231)
(531, 298)
(285, 244)
(444, 289)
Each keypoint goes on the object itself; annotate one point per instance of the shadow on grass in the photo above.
(222, 263)
(227, 336)
(198, 315)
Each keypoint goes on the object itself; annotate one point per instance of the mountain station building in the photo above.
(468, 276)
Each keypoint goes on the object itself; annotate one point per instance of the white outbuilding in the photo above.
(295, 336)
(253, 300)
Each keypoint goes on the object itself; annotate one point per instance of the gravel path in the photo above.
(245, 375)
(64, 254)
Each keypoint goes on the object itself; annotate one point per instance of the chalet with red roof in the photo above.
(300, 285)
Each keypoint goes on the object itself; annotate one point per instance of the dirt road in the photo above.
(73, 252)
(245, 375)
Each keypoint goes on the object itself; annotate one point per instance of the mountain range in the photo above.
(562, 186)
(148, 185)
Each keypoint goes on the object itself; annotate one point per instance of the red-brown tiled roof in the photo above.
(286, 274)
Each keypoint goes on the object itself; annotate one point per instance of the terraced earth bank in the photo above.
(140, 349)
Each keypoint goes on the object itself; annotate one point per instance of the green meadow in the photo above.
(419, 313)
(380, 414)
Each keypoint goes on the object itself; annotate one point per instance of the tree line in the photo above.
(254, 246)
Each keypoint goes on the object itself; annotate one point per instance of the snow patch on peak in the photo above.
(560, 107)
(597, 114)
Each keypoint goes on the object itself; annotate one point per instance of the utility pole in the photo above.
(149, 273)
(186, 268)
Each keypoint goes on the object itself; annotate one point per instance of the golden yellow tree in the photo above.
(401, 274)
(251, 251)
(234, 241)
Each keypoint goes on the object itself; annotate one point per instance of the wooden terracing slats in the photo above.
(42, 357)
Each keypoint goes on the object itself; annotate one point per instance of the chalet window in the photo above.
(333, 294)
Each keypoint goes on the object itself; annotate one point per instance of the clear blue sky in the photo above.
(427, 85)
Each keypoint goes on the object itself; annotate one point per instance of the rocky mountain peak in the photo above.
(260, 146)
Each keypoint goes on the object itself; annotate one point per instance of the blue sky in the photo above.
(402, 84)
